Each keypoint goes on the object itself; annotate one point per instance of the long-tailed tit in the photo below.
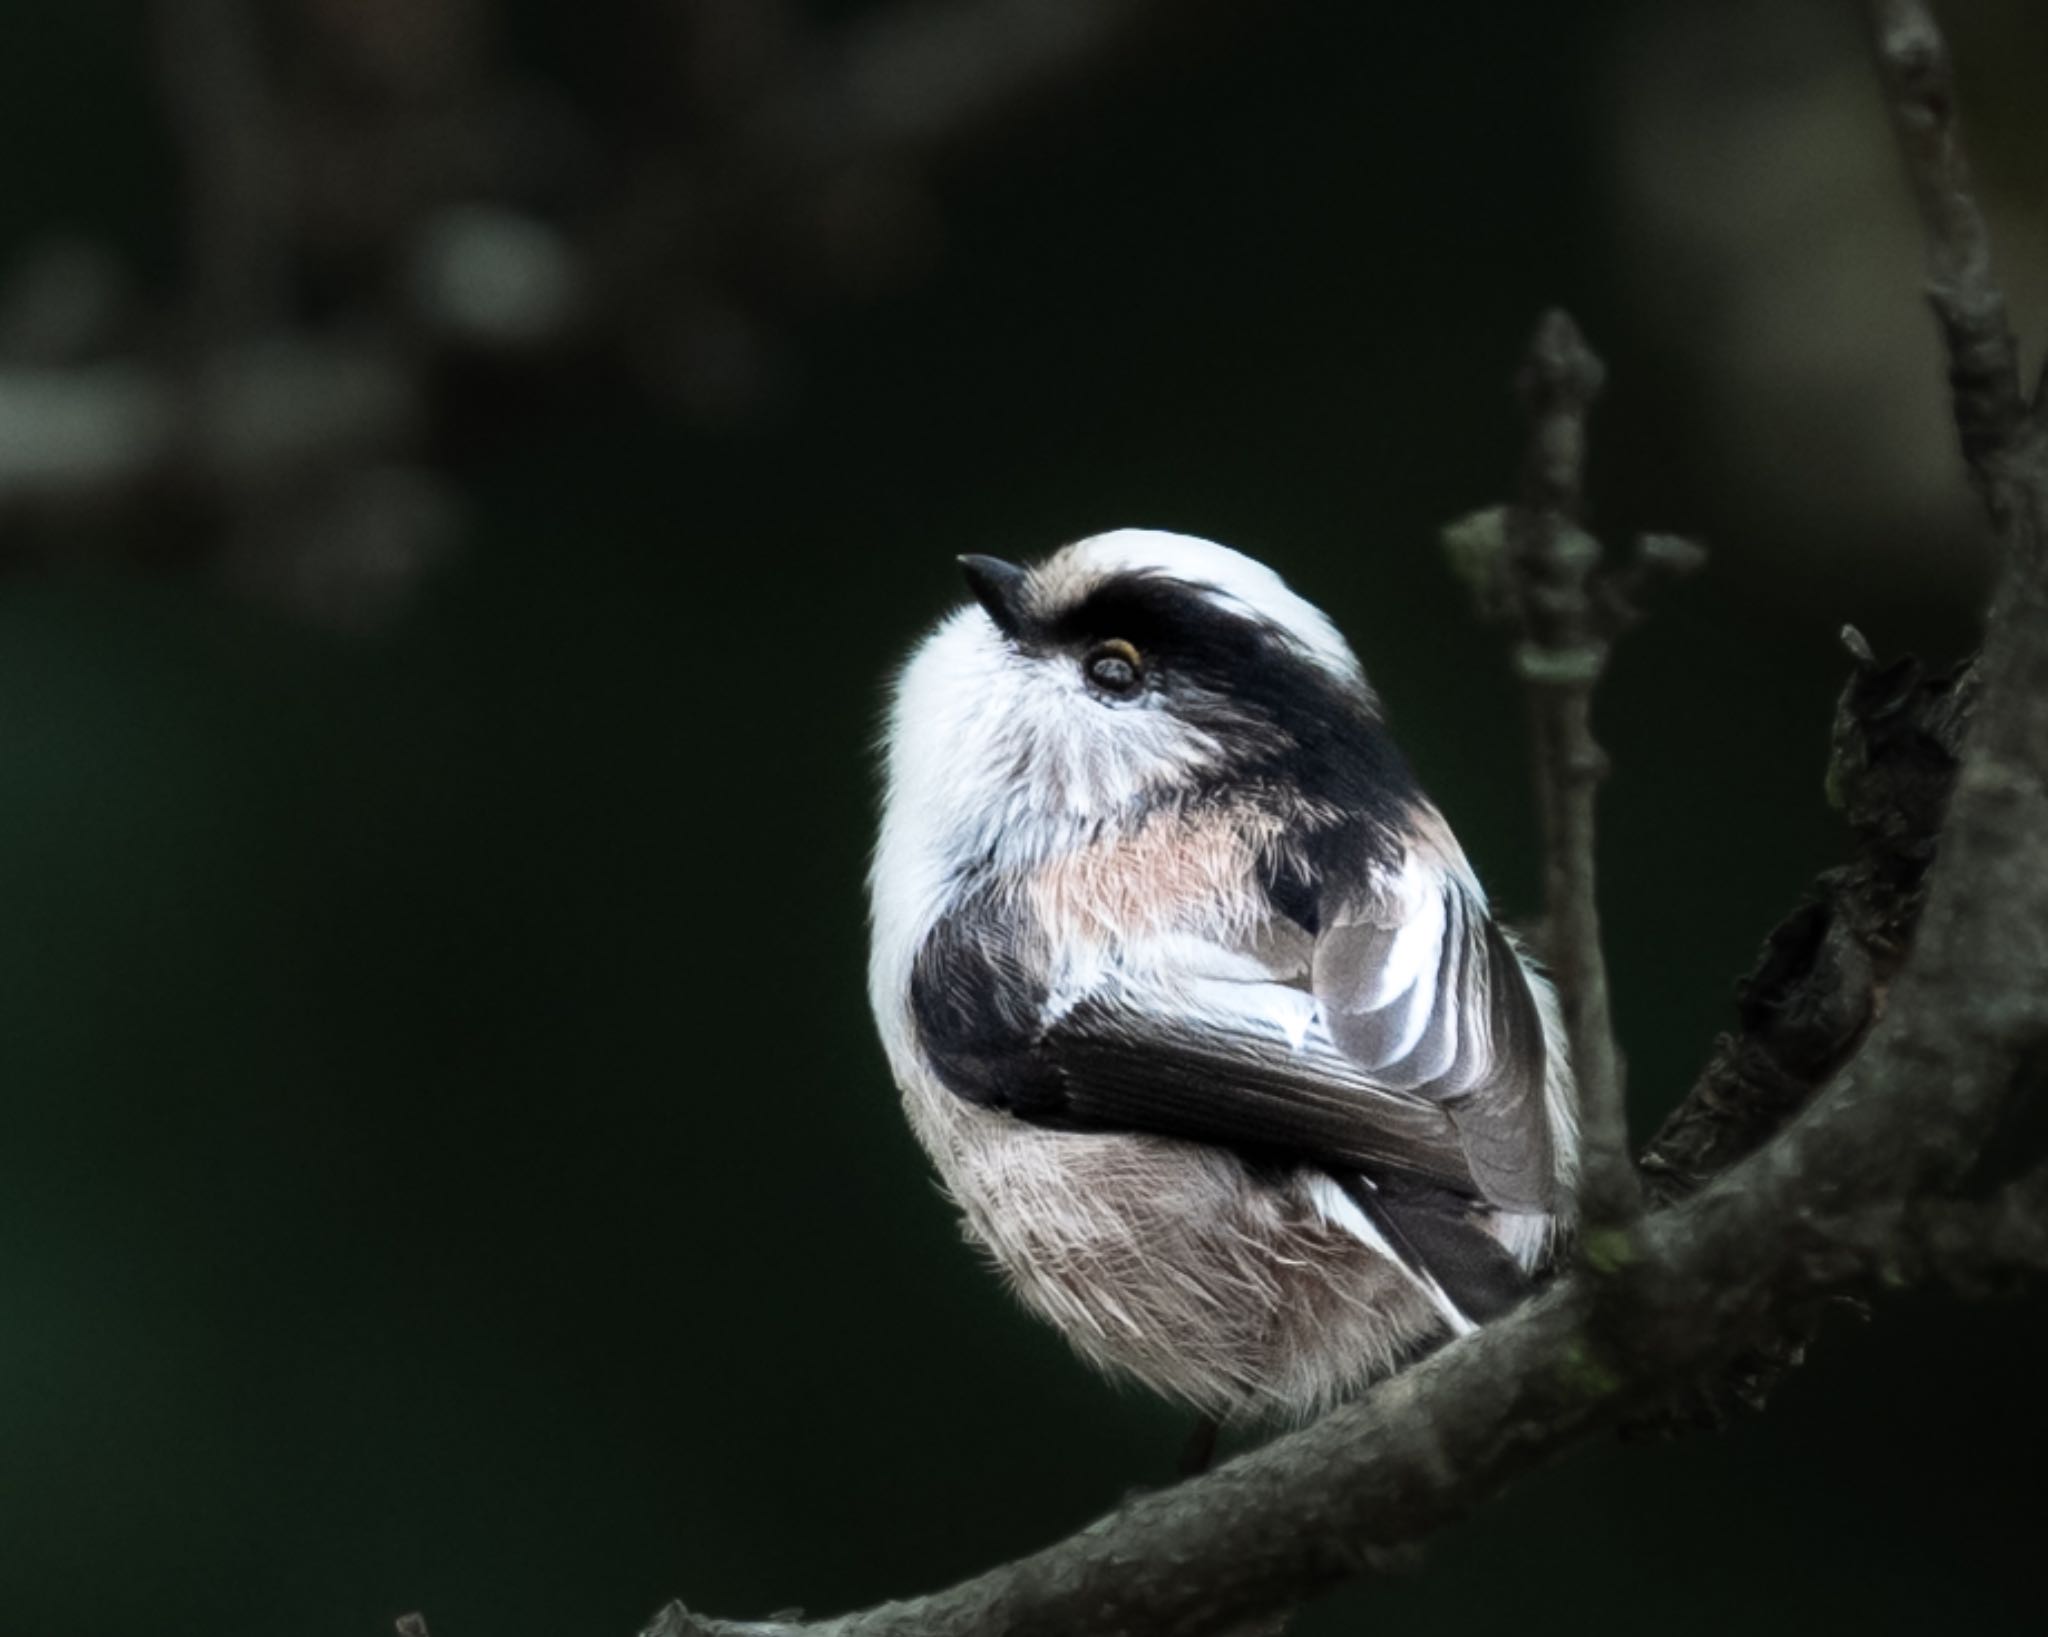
(1190, 992)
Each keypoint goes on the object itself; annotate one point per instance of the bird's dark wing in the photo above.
(1208, 1077)
(1400, 1158)
(1206, 1061)
(1213, 1062)
(1423, 994)
(1429, 1058)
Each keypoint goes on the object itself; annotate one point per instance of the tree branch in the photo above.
(1551, 562)
(1428, 1446)
(1820, 982)
(1978, 1247)
(1913, 60)
(1822, 979)
(1534, 566)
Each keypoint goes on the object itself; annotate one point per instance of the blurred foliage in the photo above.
(445, 1163)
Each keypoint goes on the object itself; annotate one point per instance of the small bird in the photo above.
(1190, 992)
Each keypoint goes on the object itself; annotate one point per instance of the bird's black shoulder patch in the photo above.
(977, 996)
(1322, 862)
(1294, 887)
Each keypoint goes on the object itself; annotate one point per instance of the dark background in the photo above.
(445, 1162)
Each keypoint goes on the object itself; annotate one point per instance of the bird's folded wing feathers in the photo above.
(1199, 1078)
(1423, 994)
(1427, 1057)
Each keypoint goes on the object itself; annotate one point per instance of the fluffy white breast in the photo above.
(1003, 758)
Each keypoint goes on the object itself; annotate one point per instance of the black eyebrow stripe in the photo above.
(1145, 607)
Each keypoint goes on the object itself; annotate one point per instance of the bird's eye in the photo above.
(1114, 668)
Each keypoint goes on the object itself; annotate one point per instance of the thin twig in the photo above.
(1913, 60)
(1534, 566)
(1552, 562)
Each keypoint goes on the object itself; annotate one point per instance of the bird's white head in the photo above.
(1127, 668)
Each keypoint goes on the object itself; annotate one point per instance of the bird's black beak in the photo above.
(999, 587)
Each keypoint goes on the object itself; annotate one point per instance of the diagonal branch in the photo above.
(1427, 1447)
